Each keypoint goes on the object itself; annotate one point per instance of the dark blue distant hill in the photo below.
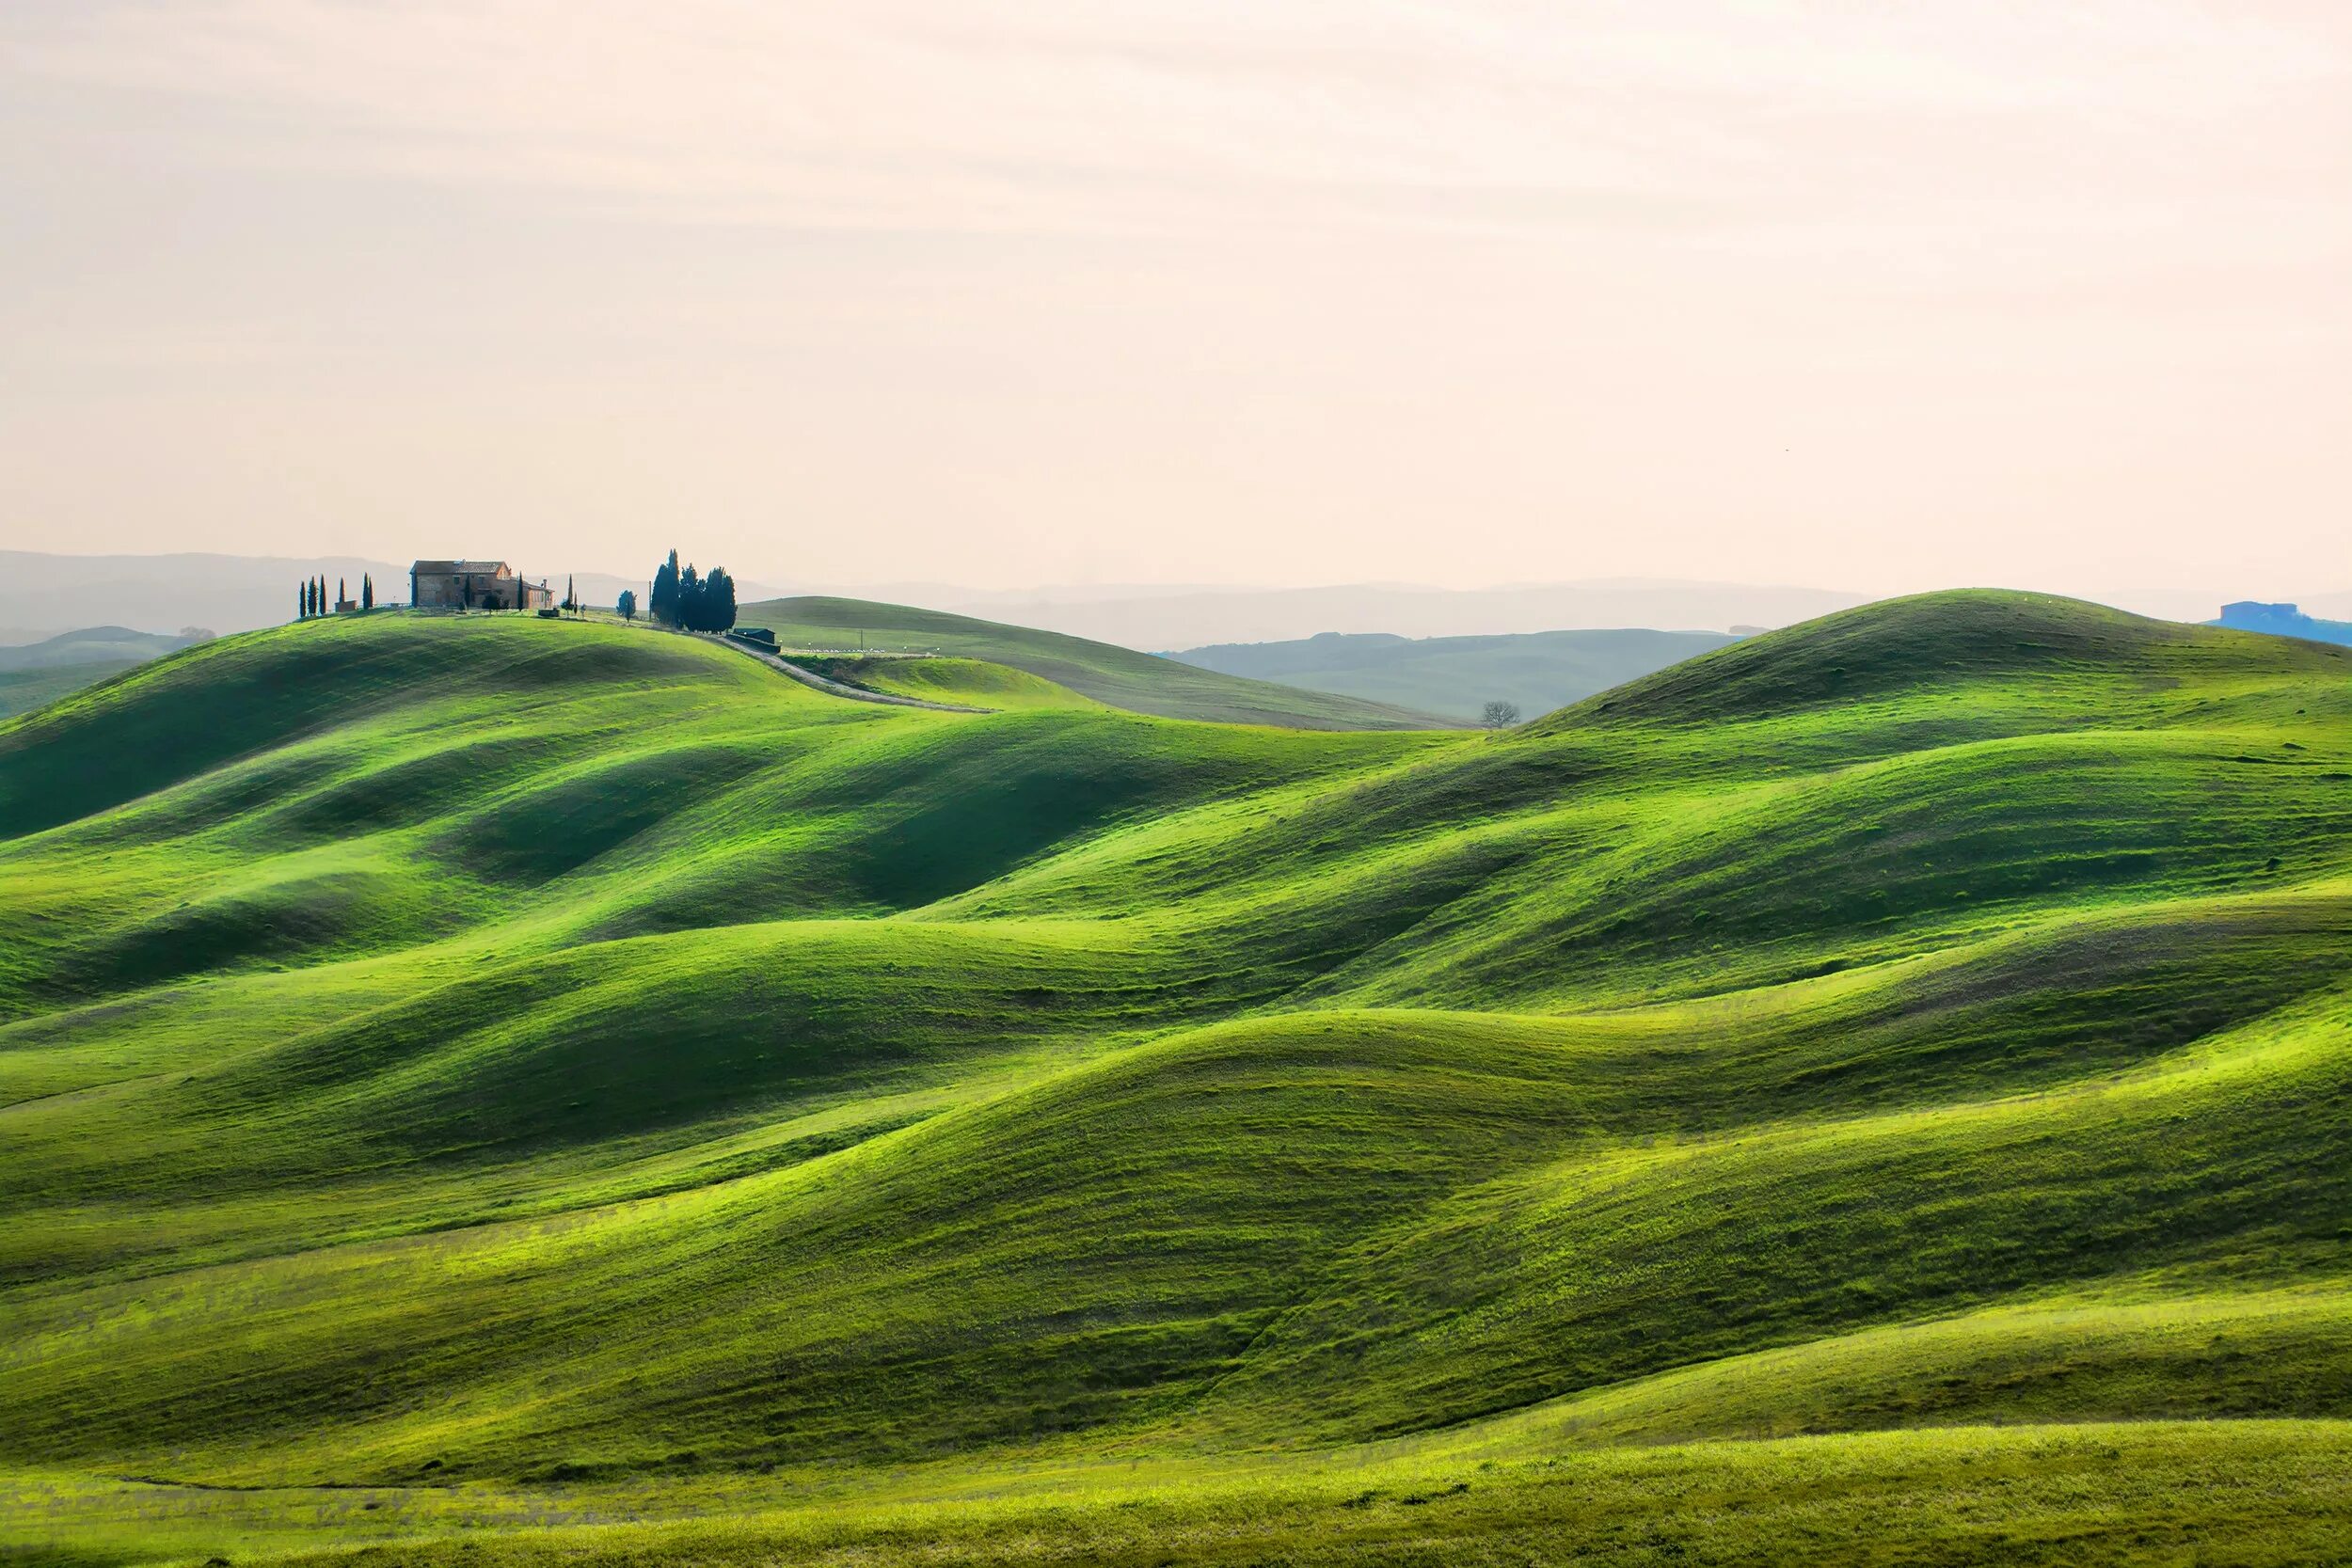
(2282, 619)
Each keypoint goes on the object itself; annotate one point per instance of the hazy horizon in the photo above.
(1229, 296)
(44, 594)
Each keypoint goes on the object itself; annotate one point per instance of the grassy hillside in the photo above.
(1456, 676)
(1117, 677)
(513, 1088)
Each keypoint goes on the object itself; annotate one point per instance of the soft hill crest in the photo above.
(1899, 647)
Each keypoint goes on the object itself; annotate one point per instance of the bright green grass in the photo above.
(1119, 678)
(535, 1076)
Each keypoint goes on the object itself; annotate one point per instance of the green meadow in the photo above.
(482, 1089)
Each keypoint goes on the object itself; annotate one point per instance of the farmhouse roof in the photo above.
(461, 568)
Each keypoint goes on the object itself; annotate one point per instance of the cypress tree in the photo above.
(661, 600)
(342, 591)
(302, 603)
(367, 591)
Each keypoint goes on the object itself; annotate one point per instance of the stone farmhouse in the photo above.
(474, 585)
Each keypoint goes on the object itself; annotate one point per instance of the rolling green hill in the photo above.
(511, 1089)
(1456, 676)
(1118, 677)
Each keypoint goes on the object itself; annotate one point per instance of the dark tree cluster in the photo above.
(313, 599)
(681, 598)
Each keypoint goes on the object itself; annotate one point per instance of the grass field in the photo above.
(487, 1088)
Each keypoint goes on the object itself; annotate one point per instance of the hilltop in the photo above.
(514, 1089)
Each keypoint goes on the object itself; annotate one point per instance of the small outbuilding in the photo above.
(474, 585)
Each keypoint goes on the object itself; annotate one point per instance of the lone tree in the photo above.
(367, 591)
(571, 599)
(1500, 716)
(342, 591)
(625, 605)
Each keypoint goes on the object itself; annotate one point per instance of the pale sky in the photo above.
(1876, 294)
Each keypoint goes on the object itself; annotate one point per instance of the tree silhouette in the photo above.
(717, 601)
(1500, 716)
(661, 602)
(683, 597)
(625, 605)
(367, 591)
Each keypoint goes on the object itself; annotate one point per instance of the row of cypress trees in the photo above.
(315, 602)
(681, 597)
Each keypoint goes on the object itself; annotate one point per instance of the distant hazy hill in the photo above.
(2282, 619)
(1456, 675)
(37, 674)
(1186, 618)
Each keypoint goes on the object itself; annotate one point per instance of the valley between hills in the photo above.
(483, 1089)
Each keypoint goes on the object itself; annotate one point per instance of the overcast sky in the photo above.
(1879, 294)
